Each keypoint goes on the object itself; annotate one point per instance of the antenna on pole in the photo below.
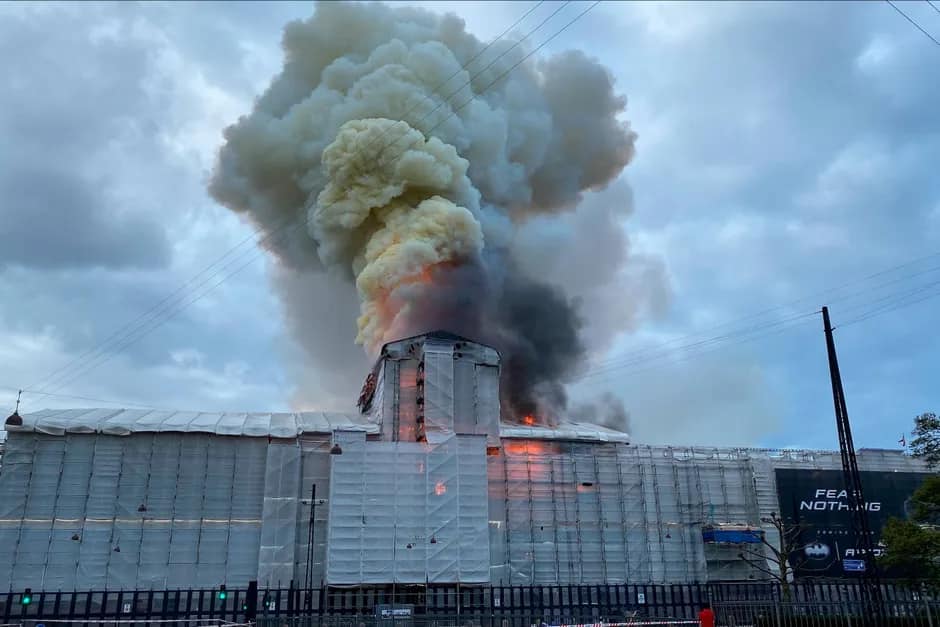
(858, 506)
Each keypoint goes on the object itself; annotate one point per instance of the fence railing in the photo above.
(914, 613)
(442, 606)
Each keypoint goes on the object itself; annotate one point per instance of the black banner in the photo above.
(818, 502)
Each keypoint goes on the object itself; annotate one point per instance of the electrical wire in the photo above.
(696, 349)
(882, 310)
(889, 300)
(888, 303)
(935, 7)
(105, 357)
(911, 20)
(687, 357)
(812, 297)
(703, 344)
(92, 364)
(123, 404)
(614, 364)
(160, 308)
(624, 371)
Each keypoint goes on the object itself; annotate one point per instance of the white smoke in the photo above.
(413, 168)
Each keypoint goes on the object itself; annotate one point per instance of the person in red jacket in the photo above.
(706, 618)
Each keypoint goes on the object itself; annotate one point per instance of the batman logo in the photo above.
(817, 551)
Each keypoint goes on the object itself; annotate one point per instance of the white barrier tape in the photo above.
(115, 621)
(635, 622)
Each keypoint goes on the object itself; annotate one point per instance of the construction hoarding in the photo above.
(817, 499)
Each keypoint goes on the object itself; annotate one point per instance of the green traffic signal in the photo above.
(222, 595)
(27, 597)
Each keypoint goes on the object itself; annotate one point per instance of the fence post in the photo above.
(923, 597)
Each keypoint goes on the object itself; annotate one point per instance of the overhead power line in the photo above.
(164, 306)
(168, 313)
(911, 20)
(883, 310)
(685, 357)
(123, 404)
(105, 357)
(160, 307)
(643, 361)
(700, 346)
(828, 294)
(870, 308)
(688, 351)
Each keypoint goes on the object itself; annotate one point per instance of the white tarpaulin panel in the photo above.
(408, 512)
(128, 421)
(465, 406)
(439, 387)
(281, 496)
(150, 510)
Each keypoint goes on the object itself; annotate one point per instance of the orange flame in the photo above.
(529, 419)
(525, 447)
(440, 488)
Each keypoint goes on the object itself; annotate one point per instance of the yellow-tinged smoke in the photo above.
(386, 212)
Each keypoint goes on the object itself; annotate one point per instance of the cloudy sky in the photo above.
(788, 156)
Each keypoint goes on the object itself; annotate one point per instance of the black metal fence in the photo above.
(922, 612)
(495, 604)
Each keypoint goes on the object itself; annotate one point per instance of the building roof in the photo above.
(278, 425)
(127, 421)
(439, 334)
(565, 430)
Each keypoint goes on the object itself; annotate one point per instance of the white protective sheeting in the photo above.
(127, 421)
(281, 501)
(434, 385)
(439, 387)
(152, 510)
(565, 430)
(408, 512)
(579, 512)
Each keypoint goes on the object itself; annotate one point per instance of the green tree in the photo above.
(926, 442)
(912, 547)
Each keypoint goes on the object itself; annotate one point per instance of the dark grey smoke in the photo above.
(535, 327)
(607, 411)
(540, 340)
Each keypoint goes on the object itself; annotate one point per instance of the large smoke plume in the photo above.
(415, 161)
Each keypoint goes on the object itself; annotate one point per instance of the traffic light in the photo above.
(27, 597)
(222, 594)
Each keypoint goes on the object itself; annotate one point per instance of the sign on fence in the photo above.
(853, 566)
(394, 611)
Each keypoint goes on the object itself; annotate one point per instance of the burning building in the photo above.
(425, 485)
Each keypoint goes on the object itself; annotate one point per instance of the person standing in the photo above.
(706, 617)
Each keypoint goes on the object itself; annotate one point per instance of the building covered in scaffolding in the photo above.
(424, 486)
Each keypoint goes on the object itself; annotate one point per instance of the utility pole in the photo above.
(310, 538)
(858, 507)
